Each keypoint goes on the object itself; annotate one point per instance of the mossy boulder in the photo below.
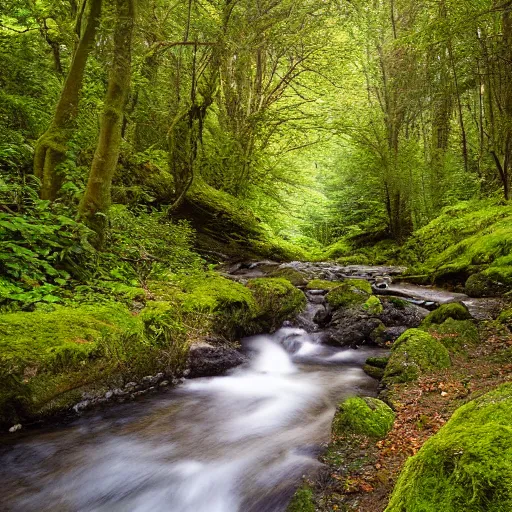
(349, 293)
(414, 353)
(373, 306)
(467, 465)
(227, 226)
(365, 416)
(505, 318)
(493, 281)
(322, 284)
(379, 362)
(455, 335)
(373, 371)
(45, 355)
(296, 277)
(276, 300)
(453, 310)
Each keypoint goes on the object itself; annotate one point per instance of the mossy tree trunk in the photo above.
(97, 197)
(51, 147)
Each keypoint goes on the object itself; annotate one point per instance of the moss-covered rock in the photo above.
(414, 353)
(493, 281)
(505, 318)
(295, 277)
(367, 416)
(453, 310)
(302, 500)
(373, 371)
(276, 301)
(322, 284)
(47, 354)
(455, 335)
(373, 306)
(349, 293)
(379, 362)
(467, 465)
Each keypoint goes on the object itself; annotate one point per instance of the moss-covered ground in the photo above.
(50, 356)
(468, 468)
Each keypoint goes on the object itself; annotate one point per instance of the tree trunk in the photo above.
(97, 197)
(51, 147)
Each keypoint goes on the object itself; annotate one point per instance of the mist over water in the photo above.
(236, 443)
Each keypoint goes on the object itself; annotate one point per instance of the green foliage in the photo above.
(414, 353)
(40, 249)
(350, 292)
(467, 465)
(302, 500)
(444, 311)
(366, 416)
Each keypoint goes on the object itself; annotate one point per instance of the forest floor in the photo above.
(360, 473)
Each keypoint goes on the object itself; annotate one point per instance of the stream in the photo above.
(240, 442)
(235, 443)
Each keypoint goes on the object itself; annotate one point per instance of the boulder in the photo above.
(205, 360)
(467, 465)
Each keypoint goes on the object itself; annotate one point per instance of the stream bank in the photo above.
(280, 402)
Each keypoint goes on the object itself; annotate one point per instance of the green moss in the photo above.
(277, 300)
(227, 225)
(455, 335)
(373, 371)
(294, 276)
(321, 284)
(373, 305)
(492, 281)
(350, 292)
(302, 500)
(505, 318)
(379, 362)
(338, 249)
(415, 352)
(367, 416)
(467, 465)
(453, 310)
(46, 354)
(62, 338)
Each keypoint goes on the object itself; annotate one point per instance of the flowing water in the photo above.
(236, 443)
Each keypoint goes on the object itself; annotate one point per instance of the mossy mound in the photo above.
(378, 362)
(276, 300)
(467, 465)
(373, 371)
(350, 292)
(495, 280)
(455, 335)
(505, 318)
(373, 306)
(322, 284)
(45, 355)
(366, 416)
(415, 352)
(302, 501)
(467, 238)
(295, 277)
(452, 310)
